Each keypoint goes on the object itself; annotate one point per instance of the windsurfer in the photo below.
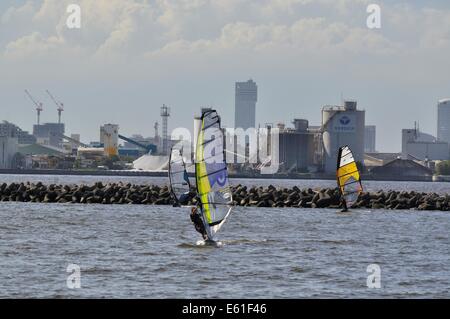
(344, 206)
(198, 223)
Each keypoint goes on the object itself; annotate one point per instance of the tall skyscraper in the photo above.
(370, 138)
(246, 95)
(443, 119)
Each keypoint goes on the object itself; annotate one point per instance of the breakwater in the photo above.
(123, 193)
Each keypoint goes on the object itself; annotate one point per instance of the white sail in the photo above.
(178, 177)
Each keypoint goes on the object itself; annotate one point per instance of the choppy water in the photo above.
(150, 251)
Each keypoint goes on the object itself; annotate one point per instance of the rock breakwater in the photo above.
(123, 193)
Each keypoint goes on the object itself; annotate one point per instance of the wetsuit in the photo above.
(198, 223)
(344, 204)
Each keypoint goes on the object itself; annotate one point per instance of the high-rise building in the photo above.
(443, 121)
(246, 96)
(370, 139)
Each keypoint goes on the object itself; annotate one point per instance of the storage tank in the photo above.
(293, 150)
(109, 136)
(342, 125)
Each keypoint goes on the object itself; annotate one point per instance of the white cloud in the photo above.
(32, 45)
(140, 27)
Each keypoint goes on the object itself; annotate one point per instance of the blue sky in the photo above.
(132, 56)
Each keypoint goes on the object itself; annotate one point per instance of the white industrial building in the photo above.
(443, 121)
(422, 146)
(246, 96)
(109, 137)
(342, 125)
(8, 149)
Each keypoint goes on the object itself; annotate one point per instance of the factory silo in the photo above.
(109, 136)
(342, 125)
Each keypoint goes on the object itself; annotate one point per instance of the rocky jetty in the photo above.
(122, 193)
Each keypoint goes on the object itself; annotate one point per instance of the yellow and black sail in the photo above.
(348, 176)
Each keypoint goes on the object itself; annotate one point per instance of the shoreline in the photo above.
(305, 176)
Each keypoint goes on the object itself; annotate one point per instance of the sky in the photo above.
(131, 56)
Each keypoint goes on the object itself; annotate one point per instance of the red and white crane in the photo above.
(59, 104)
(39, 106)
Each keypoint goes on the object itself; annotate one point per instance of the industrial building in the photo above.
(342, 125)
(296, 147)
(10, 129)
(109, 138)
(370, 139)
(140, 139)
(401, 169)
(49, 134)
(424, 147)
(246, 96)
(443, 120)
(8, 150)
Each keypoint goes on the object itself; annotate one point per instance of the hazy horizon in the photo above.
(130, 57)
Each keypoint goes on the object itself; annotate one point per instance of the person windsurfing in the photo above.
(180, 188)
(348, 177)
(344, 206)
(213, 190)
(198, 223)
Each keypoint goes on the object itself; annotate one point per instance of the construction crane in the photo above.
(39, 107)
(58, 104)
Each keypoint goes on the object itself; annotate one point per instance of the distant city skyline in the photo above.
(130, 57)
